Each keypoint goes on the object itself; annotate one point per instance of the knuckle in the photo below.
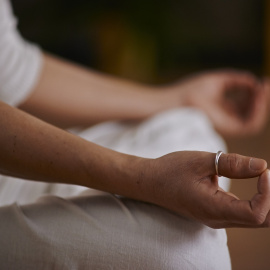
(234, 162)
(258, 218)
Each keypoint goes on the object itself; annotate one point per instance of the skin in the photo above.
(192, 189)
(266, 86)
(183, 182)
(69, 95)
(235, 101)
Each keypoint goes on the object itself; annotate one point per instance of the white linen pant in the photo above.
(96, 230)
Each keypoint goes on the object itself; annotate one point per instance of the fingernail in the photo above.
(257, 164)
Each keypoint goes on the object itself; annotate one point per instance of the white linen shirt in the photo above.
(20, 61)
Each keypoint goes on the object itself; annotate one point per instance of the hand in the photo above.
(185, 183)
(266, 86)
(235, 102)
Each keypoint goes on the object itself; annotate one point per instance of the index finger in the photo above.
(250, 213)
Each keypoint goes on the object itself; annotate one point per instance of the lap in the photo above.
(103, 231)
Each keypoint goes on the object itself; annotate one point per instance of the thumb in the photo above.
(245, 213)
(238, 166)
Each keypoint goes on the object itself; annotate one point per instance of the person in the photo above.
(143, 204)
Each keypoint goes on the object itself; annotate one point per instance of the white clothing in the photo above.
(96, 230)
(20, 61)
(104, 232)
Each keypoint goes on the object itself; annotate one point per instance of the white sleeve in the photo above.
(20, 61)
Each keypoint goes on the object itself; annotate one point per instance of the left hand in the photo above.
(234, 101)
(186, 183)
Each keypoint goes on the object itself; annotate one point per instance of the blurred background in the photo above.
(157, 42)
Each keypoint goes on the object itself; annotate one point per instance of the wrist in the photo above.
(137, 180)
(116, 173)
(174, 95)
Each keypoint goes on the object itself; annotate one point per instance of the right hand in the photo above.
(234, 101)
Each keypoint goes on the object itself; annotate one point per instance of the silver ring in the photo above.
(218, 154)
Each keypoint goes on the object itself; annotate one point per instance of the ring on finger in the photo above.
(218, 154)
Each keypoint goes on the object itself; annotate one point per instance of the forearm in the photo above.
(63, 93)
(32, 149)
(68, 95)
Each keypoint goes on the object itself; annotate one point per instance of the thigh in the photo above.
(103, 231)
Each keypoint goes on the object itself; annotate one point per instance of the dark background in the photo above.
(151, 41)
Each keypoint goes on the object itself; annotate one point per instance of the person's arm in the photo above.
(183, 182)
(69, 95)
(33, 149)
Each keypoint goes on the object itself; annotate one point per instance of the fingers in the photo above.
(237, 166)
(239, 78)
(266, 88)
(248, 118)
(244, 104)
(229, 210)
(258, 110)
(226, 122)
(249, 214)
